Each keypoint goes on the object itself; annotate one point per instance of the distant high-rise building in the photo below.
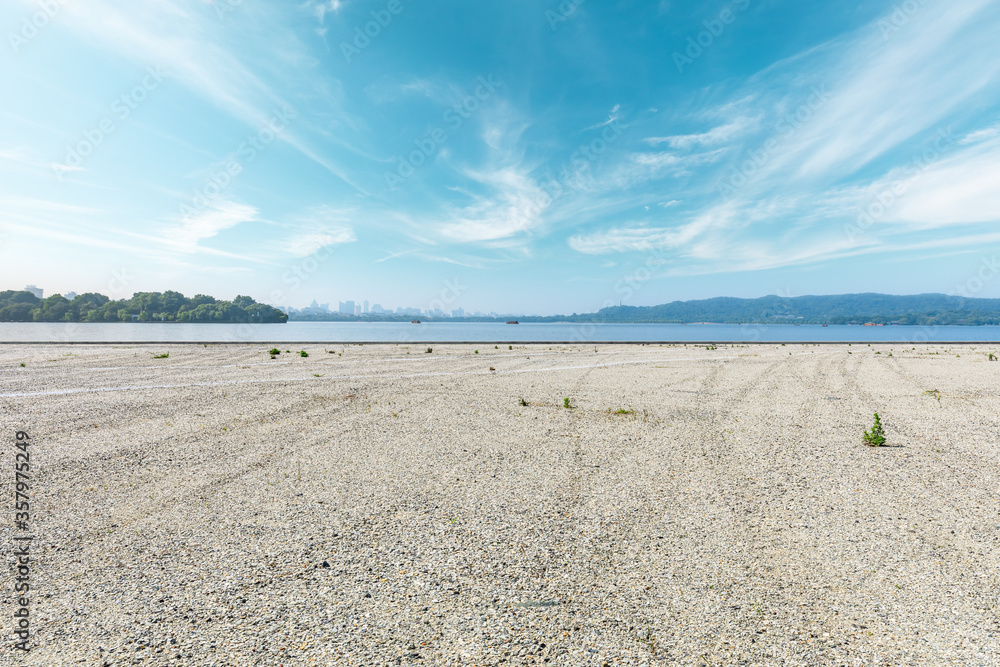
(70, 295)
(314, 305)
(458, 312)
(347, 307)
(37, 291)
(357, 309)
(366, 306)
(377, 309)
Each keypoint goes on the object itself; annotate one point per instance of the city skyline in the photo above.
(644, 152)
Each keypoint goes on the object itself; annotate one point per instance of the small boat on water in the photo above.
(512, 322)
(415, 322)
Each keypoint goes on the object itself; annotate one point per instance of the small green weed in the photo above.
(429, 350)
(567, 404)
(274, 351)
(524, 403)
(649, 640)
(303, 353)
(623, 411)
(165, 355)
(992, 357)
(876, 436)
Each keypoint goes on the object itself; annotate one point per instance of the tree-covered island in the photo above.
(169, 306)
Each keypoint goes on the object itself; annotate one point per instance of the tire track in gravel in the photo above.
(239, 462)
(862, 520)
(680, 505)
(971, 405)
(570, 495)
(919, 444)
(743, 512)
(699, 516)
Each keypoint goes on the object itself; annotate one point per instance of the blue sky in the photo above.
(520, 156)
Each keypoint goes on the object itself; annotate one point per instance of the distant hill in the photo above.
(921, 309)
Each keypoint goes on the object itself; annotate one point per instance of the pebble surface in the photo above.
(382, 505)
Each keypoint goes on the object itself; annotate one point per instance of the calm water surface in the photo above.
(443, 332)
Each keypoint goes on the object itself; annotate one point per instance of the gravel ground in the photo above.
(382, 505)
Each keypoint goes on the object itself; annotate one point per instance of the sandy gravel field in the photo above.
(382, 505)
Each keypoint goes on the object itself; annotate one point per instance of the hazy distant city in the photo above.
(375, 310)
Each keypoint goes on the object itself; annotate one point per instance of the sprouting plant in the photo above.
(274, 351)
(876, 436)
(510, 347)
(496, 347)
(623, 411)
(524, 403)
(649, 639)
(303, 353)
(992, 357)
(22, 364)
(165, 355)
(477, 351)
(567, 404)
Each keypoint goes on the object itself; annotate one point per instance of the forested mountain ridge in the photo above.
(922, 309)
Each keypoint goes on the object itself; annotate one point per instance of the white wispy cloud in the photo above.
(511, 206)
(192, 51)
(321, 9)
(885, 91)
(867, 99)
(613, 116)
(205, 224)
(718, 135)
(505, 200)
(980, 135)
(317, 228)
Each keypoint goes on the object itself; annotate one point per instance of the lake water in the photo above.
(479, 332)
